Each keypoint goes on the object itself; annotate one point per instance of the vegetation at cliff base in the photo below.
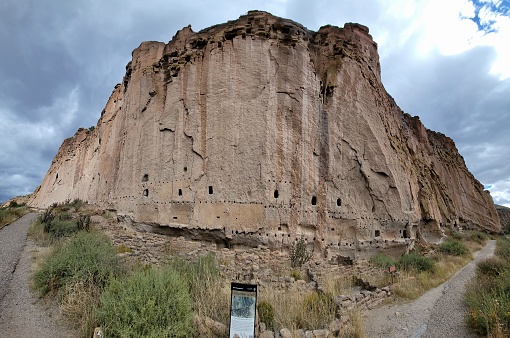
(148, 303)
(419, 272)
(488, 294)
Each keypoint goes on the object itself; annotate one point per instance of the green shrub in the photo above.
(382, 261)
(415, 261)
(149, 303)
(489, 311)
(492, 267)
(503, 248)
(87, 258)
(488, 295)
(58, 228)
(266, 314)
(477, 236)
(296, 275)
(299, 253)
(453, 248)
(457, 235)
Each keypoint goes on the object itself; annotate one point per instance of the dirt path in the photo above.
(21, 312)
(438, 313)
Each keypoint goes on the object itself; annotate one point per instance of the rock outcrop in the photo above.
(259, 132)
(504, 216)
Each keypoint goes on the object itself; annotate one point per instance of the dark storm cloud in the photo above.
(457, 95)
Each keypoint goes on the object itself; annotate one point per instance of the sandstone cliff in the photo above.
(504, 217)
(259, 131)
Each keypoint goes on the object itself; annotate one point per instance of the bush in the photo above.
(488, 295)
(503, 248)
(453, 248)
(382, 261)
(266, 314)
(296, 275)
(299, 253)
(86, 258)
(149, 303)
(477, 236)
(489, 311)
(492, 267)
(415, 261)
(59, 228)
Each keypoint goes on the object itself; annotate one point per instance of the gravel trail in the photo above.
(438, 313)
(21, 312)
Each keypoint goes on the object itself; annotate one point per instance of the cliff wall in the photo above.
(259, 131)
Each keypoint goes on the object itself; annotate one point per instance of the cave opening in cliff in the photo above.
(276, 194)
(377, 233)
(146, 192)
(338, 202)
(145, 178)
(180, 192)
(210, 190)
(314, 200)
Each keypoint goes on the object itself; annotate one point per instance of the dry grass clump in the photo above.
(12, 213)
(294, 308)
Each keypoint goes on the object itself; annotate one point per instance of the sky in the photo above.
(446, 61)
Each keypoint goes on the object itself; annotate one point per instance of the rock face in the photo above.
(504, 216)
(259, 132)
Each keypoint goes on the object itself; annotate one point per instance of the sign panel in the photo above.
(243, 301)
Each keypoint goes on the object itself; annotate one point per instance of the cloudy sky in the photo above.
(445, 61)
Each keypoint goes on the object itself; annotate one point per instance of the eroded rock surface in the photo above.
(258, 132)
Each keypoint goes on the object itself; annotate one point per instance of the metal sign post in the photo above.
(243, 301)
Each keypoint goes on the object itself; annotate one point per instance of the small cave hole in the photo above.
(210, 190)
(314, 200)
(338, 202)
(185, 169)
(146, 192)
(406, 235)
(276, 194)
(377, 233)
(180, 192)
(145, 178)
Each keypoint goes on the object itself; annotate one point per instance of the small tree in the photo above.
(299, 253)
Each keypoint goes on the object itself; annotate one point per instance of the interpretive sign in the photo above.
(243, 301)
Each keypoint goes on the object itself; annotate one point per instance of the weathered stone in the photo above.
(285, 333)
(335, 326)
(300, 334)
(267, 334)
(324, 333)
(259, 132)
